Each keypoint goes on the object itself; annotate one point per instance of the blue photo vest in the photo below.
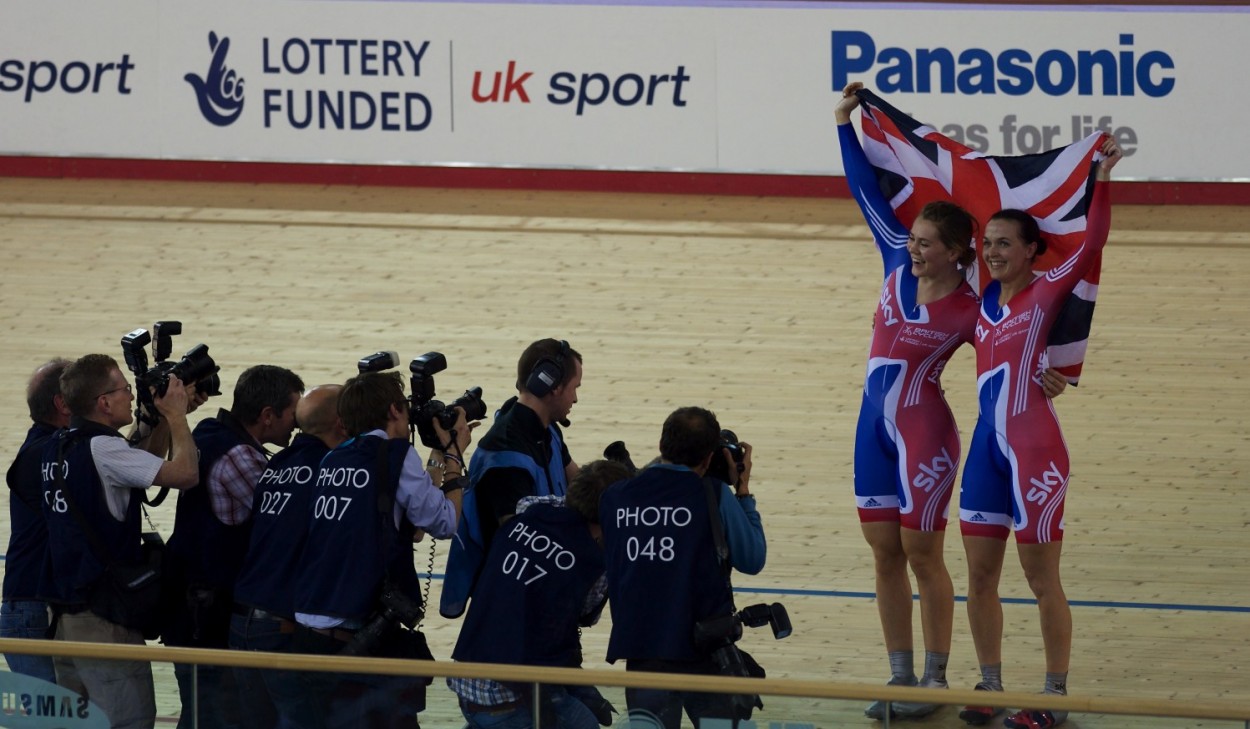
(281, 510)
(28, 542)
(352, 548)
(210, 551)
(663, 571)
(532, 591)
(75, 568)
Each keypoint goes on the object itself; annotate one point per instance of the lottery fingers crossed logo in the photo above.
(220, 91)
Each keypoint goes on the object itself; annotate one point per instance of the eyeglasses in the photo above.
(127, 388)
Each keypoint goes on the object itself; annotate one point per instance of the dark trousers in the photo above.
(347, 700)
(269, 699)
(200, 618)
(666, 706)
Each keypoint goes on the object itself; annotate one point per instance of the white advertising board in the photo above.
(718, 87)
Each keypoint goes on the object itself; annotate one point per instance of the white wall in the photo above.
(725, 87)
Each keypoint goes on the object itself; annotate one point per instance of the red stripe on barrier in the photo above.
(676, 183)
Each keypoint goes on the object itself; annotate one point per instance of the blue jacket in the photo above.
(507, 445)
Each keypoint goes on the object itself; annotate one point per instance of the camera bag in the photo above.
(130, 594)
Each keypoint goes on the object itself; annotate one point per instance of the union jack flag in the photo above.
(916, 164)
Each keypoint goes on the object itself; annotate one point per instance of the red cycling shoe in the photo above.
(1035, 719)
(980, 715)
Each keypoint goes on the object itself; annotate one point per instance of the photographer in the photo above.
(264, 594)
(212, 528)
(356, 582)
(530, 603)
(523, 454)
(22, 614)
(89, 471)
(664, 571)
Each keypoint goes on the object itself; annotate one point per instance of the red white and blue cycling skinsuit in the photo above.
(906, 444)
(1017, 471)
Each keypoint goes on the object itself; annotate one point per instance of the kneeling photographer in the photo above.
(671, 537)
(543, 580)
(357, 591)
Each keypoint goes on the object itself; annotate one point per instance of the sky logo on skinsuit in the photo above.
(220, 92)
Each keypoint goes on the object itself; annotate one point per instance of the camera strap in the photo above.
(158, 499)
(386, 500)
(718, 527)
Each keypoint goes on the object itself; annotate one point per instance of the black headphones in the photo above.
(548, 372)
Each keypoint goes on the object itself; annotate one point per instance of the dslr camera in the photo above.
(394, 608)
(616, 451)
(726, 630)
(195, 366)
(719, 636)
(718, 468)
(423, 409)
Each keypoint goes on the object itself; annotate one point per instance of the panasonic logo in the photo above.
(1122, 71)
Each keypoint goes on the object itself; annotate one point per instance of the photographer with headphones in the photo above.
(523, 454)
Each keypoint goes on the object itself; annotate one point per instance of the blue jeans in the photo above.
(269, 699)
(570, 713)
(26, 619)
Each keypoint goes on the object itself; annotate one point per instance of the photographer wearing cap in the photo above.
(531, 601)
(89, 471)
(665, 573)
(356, 586)
(523, 454)
(212, 528)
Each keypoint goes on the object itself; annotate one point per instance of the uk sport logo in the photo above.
(220, 91)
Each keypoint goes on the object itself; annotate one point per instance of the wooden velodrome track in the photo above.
(758, 308)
